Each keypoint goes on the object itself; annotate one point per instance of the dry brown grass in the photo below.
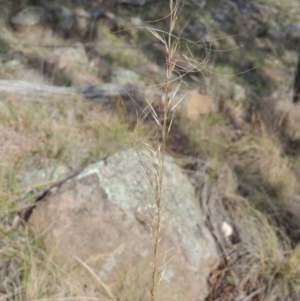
(171, 45)
(290, 118)
(33, 137)
(72, 132)
(258, 255)
(29, 273)
(261, 160)
(208, 135)
(66, 132)
(163, 118)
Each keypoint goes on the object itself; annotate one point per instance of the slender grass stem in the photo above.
(170, 65)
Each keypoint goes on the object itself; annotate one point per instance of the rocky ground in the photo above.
(76, 83)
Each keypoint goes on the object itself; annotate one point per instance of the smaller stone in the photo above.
(63, 12)
(66, 20)
(227, 229)
(124, 77)
(30, 16)
(236, 113)
(81, 13)
(196, 104)
(237, 92)
(136, 21)
(101, 67)
(16, 222)
(82, 22)
(71, 56)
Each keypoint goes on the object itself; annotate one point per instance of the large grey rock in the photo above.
(102, 217)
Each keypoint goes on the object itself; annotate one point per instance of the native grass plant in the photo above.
(163, 119)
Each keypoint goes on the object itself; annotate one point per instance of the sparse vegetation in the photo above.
(246, 174)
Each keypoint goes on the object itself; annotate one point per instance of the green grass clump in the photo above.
(207, 135)
(117, 51)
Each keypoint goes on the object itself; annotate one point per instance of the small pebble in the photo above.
(16, 222)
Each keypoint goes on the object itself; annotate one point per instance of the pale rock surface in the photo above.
(75, 63)
(65, 19)
(237, 92)
(102, 218)
(82, 21)
(41, 177)
(30, 16)
(236, 113)
(196, 104)
(71, 56)
(123, 76)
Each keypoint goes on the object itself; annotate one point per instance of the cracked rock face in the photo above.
(101, 217)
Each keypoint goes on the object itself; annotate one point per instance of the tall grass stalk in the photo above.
(171, 44)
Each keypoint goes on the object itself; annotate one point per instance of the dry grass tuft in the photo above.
(208, 136)
(290, 119)
(67, 132)
(163, 119)
(261, 161)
